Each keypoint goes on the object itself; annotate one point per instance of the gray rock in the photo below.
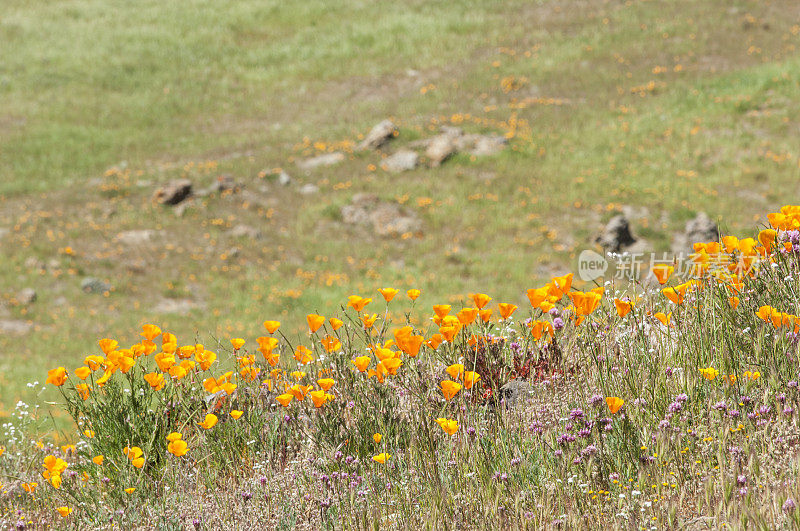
(34, 263)
(173, 192)
(384, 218)
(440, 149)
(94, 285)
(26, 296)
(403, 160)
(225, 183)
(378, 136)
(486, 145)
(635, 212)
(135, 237)
(701, 229)
(135, 265)
(309, 189)
(284, 179)
(253, 200)
(616, 235)
(15, 326)
(181, 209)
(328, 159)
(245, 231)
(451, 130)
(514, 392)
(178, 306)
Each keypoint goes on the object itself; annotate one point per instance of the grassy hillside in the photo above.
(607, 105)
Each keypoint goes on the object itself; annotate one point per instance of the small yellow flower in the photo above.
(209, 421)
(64, 511)
(709, 373)
(130, 490)
(450, 427)
(381, 458)
(98, 459)
(178, 447)
(377, 438)
(235, 413)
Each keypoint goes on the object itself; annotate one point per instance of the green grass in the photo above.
(150, 88)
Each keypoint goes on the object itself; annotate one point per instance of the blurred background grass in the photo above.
(659, 109)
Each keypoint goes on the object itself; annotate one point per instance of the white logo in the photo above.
(591, 265)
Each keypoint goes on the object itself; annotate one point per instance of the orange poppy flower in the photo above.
(734, 302)
(448, 332)
(318, 397)
(362, 362)
(450, 427)
(391, 365)
(237, 343)
(767, 238)
(326, 383)
(434, 341)
(358, 303)
(388, 293)
(585, 303)
(623, 307)
(467, 315)
(455, 371)
(150, 332)
(107, 345)
(303, 355)
(441, 310)
(664, 318)
(336, 324)
(676, 294)
(314, 322)
(83, 372)
(538, 328)
(381, 458)
(449, 389)
(83, 390)
(411, 345)
(562, 285)
(413, 294)
(662, 272)
(271, 326)
(470, 378)
(284, 399)
(480, 299)
(614, 403)
(537, 296)
(368, 320)
(57, 376)
(485, 315)
(331, 344)
(208, 422)
(506, 309)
